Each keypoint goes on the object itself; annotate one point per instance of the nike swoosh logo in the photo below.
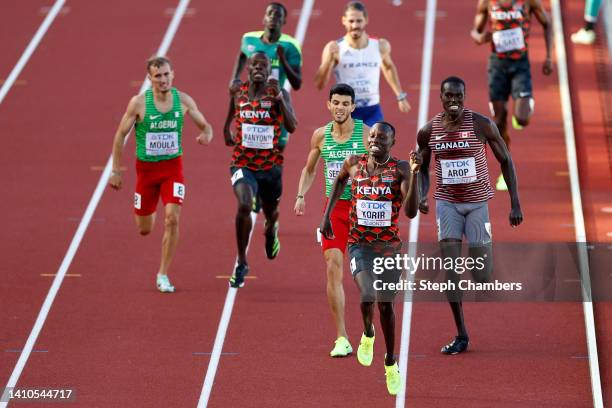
(439, 137)
(153, 117)
(329, 147)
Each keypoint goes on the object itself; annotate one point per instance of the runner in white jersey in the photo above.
(458, 137)
(357, 60)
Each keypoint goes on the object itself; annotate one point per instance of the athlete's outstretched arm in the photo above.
(191, 108)
(389, 70)
(542, 16)
(227, 127)
(329, 59)
(309, 171)
(479, 34)
(126, 124)
(336, 192)
(294, 72)
(502, 154)
(290, 121)
(410, 190)
(423, 149)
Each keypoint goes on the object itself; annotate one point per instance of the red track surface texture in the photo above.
(119, 343)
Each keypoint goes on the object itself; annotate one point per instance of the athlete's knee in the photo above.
(171, 220)
(244, 209)
(522, 120)
(145, 229)
(385, 307)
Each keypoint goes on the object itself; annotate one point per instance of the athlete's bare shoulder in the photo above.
(481, 121)
(136, 106)
(318, 137)
(424, 134)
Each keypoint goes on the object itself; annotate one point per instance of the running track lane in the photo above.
(281, 325)
(94, 81)
(18, 30)
(522, 354)
(596, 181)
(133, 346)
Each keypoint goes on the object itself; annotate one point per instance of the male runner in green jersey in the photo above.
(282, 49)
(157, 114)
(339, 139)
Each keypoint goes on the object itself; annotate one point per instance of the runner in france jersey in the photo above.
(509, 72)
(341, 138)
(357, 60)
(260, 109)
(457, 137)
(157, 115)
(380, 186)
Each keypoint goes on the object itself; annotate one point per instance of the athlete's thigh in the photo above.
(521, 80)
(270, 186)
(499, 82)
(172, 187)
(146, 194)
(244, 184)
(451, 223)
(478, 225)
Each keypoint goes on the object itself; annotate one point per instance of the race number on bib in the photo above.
(333, 168)
(257, 136)
(459, 171)
(162, 144)
(509, 40)
(179, 190)
(374, 213)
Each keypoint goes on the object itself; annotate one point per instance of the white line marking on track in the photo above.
(228, 306)
(428, 46)
(78, 236)
(30, 48)
(572, 161)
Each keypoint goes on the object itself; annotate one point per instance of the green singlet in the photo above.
(334, 154)
(159, 135)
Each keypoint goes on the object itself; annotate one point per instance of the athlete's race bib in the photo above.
(162, 144)
(458, 171)
(257, 136)
(374, 213)
(333, 168)
(509, 40)
(363, 90)
(275, 73)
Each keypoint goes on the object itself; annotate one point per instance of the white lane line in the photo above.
(428, 46)
(78, 236)
(572, 161)
(226, 314)
(40, 33)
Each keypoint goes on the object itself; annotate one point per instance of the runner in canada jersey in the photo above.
(509, 71)
(457, 137)
(260, 108)
(381, 185)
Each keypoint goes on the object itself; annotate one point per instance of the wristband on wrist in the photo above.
(299, 196)
(401, 96)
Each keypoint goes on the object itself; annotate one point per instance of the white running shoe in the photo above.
(585, 37)
(163, 284)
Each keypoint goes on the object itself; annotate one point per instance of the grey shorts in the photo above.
(458, 219)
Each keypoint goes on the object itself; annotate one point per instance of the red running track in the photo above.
(118, 342)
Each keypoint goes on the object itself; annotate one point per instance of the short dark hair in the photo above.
(275, 4)
(387, 125)
(452, 80)
(342, 89)
(356, 5)
(157, 61)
